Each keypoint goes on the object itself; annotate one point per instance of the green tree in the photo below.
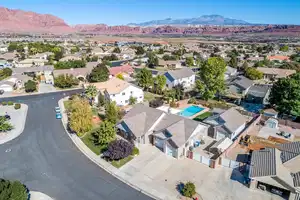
(189, 61)
(245, 65)
(160, 82)
(189, 189)
(30, 86)
(80, 117)
(12, 190)
(145, 79)
(139, 50)
(70, 64)
(65, 81)
(75, 49)
(253, 73)
(101, 100)
(211, 78)
(12, 46)
(112, 112)
(132, 100)
(105, 134)
(285, 95)
(161, 51)
(117, 50)
(99, 74)
(152, 60)
(4, 73)
(179, 91)
(284, 48)
(233, 62)
(91, 91)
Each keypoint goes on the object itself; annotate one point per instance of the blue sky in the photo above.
(116, 12)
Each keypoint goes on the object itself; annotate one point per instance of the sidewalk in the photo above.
(39, 196)
(102, 163)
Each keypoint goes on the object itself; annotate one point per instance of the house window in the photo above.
(126, 101)
(123, 93)
(131, 92)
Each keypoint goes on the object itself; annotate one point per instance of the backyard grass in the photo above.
(203, 116)
(97, 149)
(148, 96)
(67, 104)
(121, 162)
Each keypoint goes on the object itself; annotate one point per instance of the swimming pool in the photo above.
(190, 111)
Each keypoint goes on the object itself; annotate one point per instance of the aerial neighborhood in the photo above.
(228, 111)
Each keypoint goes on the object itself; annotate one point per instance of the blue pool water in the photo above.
(190, 111)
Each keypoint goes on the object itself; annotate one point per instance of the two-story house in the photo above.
(184, 76)
(119, 91)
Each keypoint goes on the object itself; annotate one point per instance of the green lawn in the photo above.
(121, 162)
(67, 104)
(203, 116)
(148, 96)
(97, 149)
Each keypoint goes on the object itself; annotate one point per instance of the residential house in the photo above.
(172, 134)
(14, 82)
(29, 62)
(45, 72)
(70, 57)
(258, 94)
(171, 64)
(279, 58)
(43, 56)
(9, 57)
(119, 91)
(97, 51)
(3, 48)
(277, 170)
(272, 74)
(226, 124)
(184, 76)
(239, 86)
(80, 73)
(125, 70)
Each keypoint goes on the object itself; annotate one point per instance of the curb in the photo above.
(61, 105)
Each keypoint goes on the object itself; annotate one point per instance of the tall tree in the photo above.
(160, 82)
(105, 134)
(179, 91)
(253, 74)
(99, 74)
(140, 50)
(101, 100)
(189, 61)
(117, 50)
(233, 62)
(211, 78)
(145, 79)
(285, 95)
(112, 112)
(30, 86)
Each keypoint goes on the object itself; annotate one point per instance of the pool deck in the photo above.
(184, 104)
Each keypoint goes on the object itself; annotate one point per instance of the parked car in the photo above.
(58, 116)
(1, 92)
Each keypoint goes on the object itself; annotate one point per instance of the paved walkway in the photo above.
(39, 196)
(18, 119)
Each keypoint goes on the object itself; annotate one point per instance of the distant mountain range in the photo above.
(203, 20)
(19, 21)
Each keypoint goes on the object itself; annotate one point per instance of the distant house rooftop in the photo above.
(279, 73)
(181, 73)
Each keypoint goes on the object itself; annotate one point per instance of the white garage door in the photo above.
(159, 143)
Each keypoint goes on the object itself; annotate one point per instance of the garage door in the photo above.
(159, 143)
(205, 160)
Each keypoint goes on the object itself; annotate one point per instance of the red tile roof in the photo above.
(121, 69)
(279, 57)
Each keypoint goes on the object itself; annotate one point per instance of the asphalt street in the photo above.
(45, 159)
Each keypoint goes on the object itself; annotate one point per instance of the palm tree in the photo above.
(91, 92)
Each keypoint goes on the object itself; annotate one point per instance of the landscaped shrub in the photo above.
(189, 189)
(135, 151)
(17, 106)
(4, 103)
(156, 103)
(118, 149)
(5, 125)
(173, 104)
(12, 190)
(10, 103)
(192, 100)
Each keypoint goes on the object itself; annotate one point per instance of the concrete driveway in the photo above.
(44, 88)
(153, 170)
(44, 158)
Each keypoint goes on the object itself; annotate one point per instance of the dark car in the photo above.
(1, 92)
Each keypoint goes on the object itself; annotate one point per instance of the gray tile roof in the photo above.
(233, 119)
(296, 179)
(289, 151)
(263, 163)
(259, 90)
(22, 70)
(181, 73)
(243, 82)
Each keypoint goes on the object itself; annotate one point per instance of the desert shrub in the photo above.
(17, 106)
(118, 149)
(4, 103)
(10, 103)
